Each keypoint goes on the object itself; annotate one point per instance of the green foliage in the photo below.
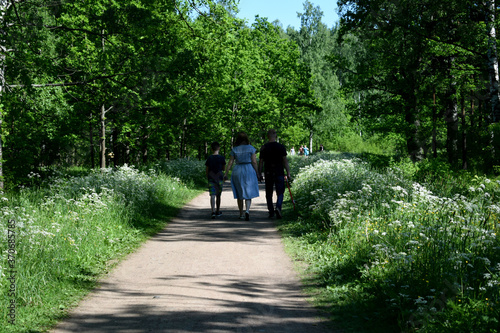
(411, 69)
(137, 82)
(188, 171)
(376, 144)
(387, 248)
(316, 42)
(73, 229)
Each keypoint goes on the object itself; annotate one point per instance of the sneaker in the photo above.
(271, 215)
(247, 216)
(242, 217)
(278, 213)
(218, 213)
(213, 215)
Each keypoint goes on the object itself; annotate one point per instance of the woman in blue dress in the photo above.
(244, 181)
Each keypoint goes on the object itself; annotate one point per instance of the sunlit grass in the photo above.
(73, 229)
(403, 257)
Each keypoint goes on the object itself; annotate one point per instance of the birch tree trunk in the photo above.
(451, 116)
(102, 138)
(493, 62)
(464, 135)
(311, 134)
(91, 137)
(434, 125)
(4, 5)
(451, 119)
(183, 149)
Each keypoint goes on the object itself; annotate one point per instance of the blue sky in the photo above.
(286, 11)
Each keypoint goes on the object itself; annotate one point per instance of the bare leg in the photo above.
(248, 203)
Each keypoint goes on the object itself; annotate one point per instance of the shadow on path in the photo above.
(203, 275)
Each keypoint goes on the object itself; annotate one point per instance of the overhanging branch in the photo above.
(67, 84)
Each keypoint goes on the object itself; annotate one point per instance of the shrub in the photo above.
(68, 231)
(422, 254)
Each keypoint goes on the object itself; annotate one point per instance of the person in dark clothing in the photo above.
(273, 161)
(215, 174)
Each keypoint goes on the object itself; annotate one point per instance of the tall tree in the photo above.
(411, 43)
(316, 43)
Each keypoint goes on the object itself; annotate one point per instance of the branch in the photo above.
(185, 21)
(66, 84)
(62, 27)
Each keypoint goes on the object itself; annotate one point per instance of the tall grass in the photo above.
(72, 229)
(386, 246)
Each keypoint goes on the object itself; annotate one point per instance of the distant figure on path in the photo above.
(215, 174)
(273, 158)
(292, 151)
(306, 151)
(321, 148)
(244, 179)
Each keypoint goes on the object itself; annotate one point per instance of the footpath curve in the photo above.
(202, 275)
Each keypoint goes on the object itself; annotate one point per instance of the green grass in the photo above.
(383, 253)
(74, 229)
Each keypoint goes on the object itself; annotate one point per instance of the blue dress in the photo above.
(244, 179)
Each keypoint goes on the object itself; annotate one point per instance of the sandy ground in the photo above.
(203, 275)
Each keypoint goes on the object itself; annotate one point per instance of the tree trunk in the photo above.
(414, 144)
(102, 139)
(91, 137)
(464, 136)
(144, 151)
(311, 133)
(144, 148)
(493, 63)
(451, 117)
(127, 149)
(116, 148)
(434, 125)
(182, 151)
(145, 137)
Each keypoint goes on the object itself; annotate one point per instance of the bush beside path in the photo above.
(203, 275)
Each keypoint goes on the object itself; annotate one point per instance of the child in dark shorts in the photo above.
(215, 174)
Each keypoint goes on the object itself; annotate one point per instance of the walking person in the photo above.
(244, 179)
(273, 159)
(215, 174)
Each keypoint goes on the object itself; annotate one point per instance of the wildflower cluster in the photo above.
(421, 250)
(70, 228)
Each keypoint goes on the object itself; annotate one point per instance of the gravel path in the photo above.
(202, 275)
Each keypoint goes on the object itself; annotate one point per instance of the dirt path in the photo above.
(202, 275)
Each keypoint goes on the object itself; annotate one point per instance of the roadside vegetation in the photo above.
(397, 248)
(71, 229)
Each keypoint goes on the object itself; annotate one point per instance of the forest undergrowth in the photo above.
(399, 248)
(64, 232)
